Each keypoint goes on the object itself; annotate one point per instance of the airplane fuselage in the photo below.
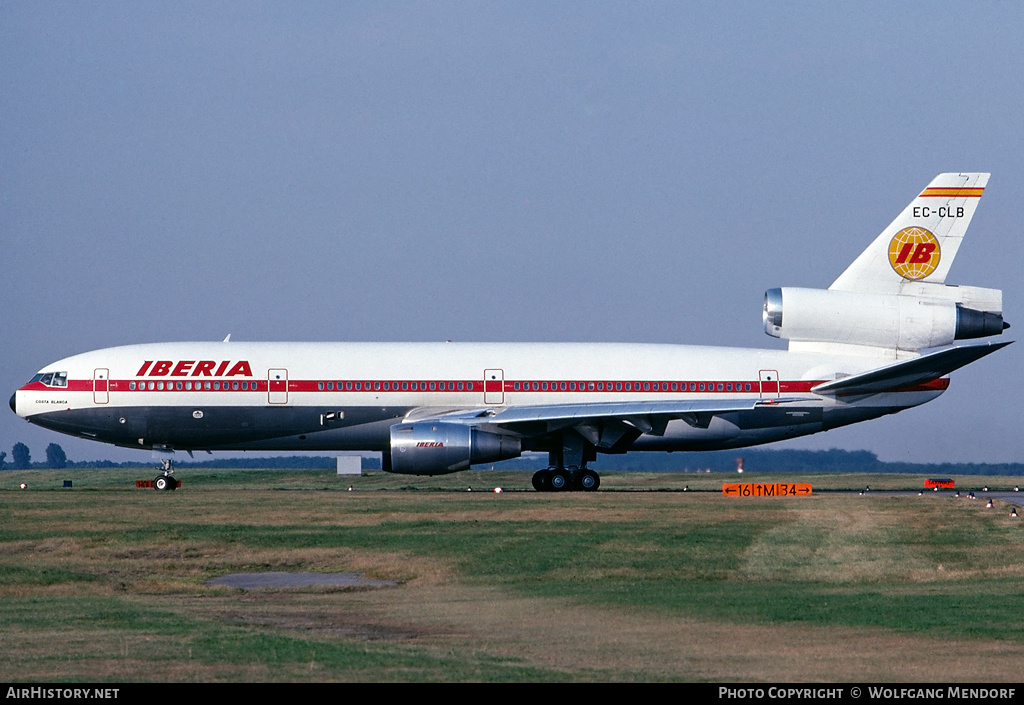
(346, 396)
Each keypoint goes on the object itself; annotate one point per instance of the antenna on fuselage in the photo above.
(228, 339)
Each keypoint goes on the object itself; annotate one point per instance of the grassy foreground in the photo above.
(103, 582)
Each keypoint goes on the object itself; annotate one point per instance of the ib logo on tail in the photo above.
(914, 253)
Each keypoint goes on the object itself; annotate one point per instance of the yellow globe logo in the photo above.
(914, 253)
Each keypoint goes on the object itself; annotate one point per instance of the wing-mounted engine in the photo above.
(927, 316)
(438, 448)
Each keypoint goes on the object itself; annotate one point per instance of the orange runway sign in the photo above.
(766, 489)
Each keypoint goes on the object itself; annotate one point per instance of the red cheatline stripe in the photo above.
(441, 386)
(953, 192)
(553, 386)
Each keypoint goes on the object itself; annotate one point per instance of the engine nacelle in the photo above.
(437, 448)
(894, 321)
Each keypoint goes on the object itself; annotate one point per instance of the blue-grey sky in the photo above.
(577, 171)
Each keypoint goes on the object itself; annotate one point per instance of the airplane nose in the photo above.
(14, 402)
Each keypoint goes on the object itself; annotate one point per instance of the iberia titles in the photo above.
(194, 368)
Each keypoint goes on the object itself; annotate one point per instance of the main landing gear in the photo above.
(567, 467)
(165, 482)
(555, 479)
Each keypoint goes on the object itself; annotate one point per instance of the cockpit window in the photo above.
(52, 379)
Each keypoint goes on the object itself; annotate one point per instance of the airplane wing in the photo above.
(608, 424)
(909, 372)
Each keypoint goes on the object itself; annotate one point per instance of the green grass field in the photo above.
(104, 582)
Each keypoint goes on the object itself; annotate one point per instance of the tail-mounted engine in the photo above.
(925, 318)
(433, 448)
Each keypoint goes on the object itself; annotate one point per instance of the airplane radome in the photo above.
(880, 339)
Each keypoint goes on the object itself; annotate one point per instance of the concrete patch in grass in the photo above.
(275, 579)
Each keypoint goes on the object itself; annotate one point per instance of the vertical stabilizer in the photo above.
(919, 246)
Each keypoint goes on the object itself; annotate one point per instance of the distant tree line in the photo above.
(21, 458)
(754, 460)
(57, 459)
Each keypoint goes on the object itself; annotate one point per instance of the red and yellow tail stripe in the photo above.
(954, 192)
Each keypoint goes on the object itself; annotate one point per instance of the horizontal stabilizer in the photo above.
(909, 372)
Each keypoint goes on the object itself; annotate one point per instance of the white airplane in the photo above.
(879, 340)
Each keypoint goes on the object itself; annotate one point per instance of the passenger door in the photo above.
(100, 385)
(494, 387)
(277, 386)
